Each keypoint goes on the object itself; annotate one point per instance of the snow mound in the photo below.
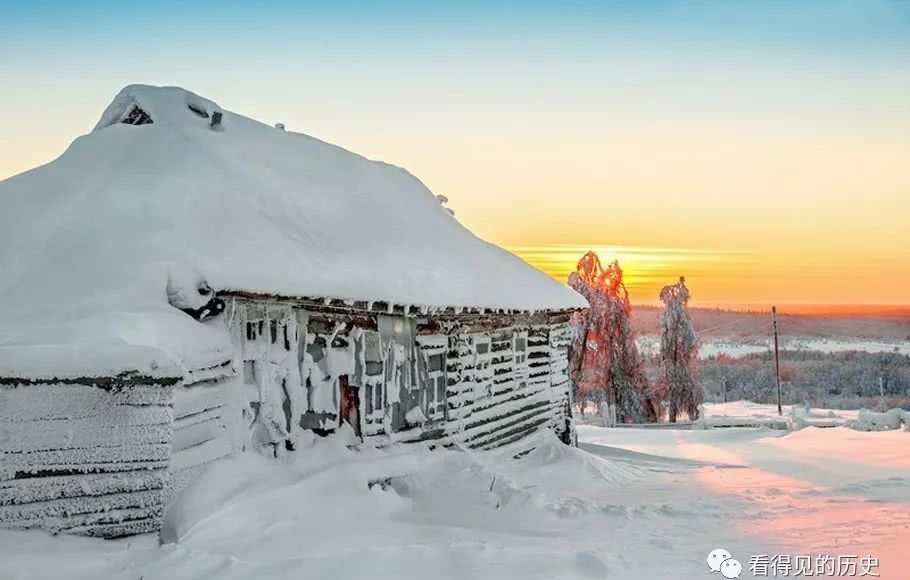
(552, 457)
(872, 421)
(516, 480)
(90, 241)
(162, 105)
(220, 484)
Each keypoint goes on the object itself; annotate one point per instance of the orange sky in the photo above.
(761, 149)
(747, 219)
(725, 279)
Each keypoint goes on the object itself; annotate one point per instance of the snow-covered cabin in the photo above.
(185, 283)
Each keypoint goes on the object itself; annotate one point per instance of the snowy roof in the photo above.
(89, 241)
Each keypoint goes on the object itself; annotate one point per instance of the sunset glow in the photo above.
(388, 290)
(806, 282)
(761, 149)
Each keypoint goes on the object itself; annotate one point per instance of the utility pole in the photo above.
(780, 410)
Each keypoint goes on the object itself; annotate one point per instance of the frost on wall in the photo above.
(558, 341)
(501, 392)
(84, 459)
(459, 382)
(269, 343)
(294, 364)
(477, 388)
(397, 335)
(330, 354)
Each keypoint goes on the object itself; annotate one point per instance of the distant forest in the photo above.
(843, 380)
(716, 322)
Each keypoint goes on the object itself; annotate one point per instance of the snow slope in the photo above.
(89, 241)
(444, 515)
(630, 504)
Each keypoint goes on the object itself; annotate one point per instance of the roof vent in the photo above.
(279, 126)
(216, 120)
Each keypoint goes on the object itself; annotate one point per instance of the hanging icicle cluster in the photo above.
(678, 353)
(605, 365)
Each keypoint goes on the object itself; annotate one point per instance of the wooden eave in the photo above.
(341, 307)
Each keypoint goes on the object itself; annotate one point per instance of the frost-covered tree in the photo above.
(678, 353)
(605, 364)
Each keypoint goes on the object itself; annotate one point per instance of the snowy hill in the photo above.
(91, 241)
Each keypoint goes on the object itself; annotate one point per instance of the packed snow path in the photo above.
(630, 504)
(809, 493)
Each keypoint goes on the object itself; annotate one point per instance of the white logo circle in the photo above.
(717, 557)
(731, 568)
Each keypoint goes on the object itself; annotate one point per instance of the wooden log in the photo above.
(110, 531)
(99, 524)
(36, 489)
(31, 439)
(511, 432)
(149, 500)
(197, 433)
(73, 458)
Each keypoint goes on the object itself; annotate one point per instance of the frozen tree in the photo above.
(605, 365)
(678, 353)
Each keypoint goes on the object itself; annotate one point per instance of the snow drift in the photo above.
(872, 421)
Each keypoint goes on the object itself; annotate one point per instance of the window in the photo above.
(436, 386)
(368, 373)
(435, 363)
(483, 371)
(482, 349)
(137, 116)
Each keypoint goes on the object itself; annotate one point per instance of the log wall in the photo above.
(469, 381)
(83, 458)
(104, 457)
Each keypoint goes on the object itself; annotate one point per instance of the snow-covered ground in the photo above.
(630, 503)
(736, 347)
(750, 409)
(747, 413)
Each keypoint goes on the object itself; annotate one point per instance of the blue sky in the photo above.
(698, 125)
